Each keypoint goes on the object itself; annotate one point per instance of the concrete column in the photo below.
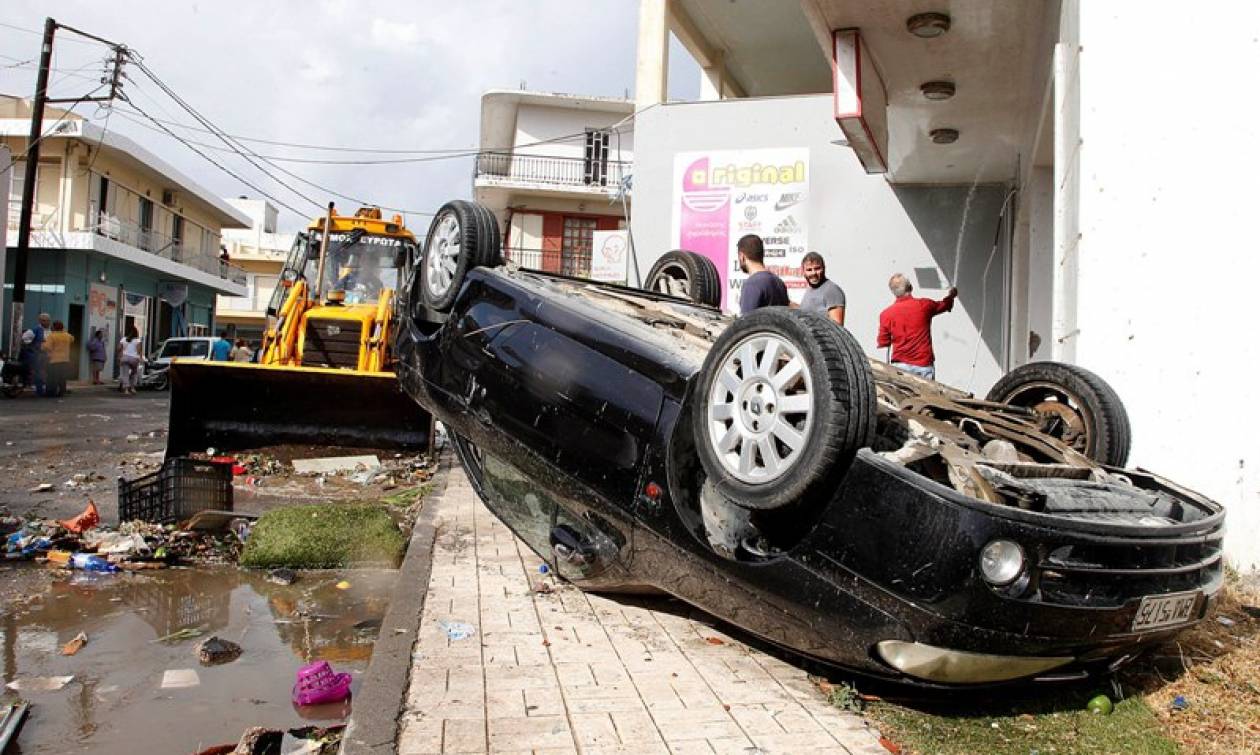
(651, 79)
(713, 79)
(1067, 226)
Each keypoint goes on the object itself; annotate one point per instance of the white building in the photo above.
(119, 237)
(1080, 171)
(259, 251)
(550, 167)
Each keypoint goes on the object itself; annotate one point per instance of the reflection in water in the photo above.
(115, 696)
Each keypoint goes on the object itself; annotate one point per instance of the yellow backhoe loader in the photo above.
(324, 375)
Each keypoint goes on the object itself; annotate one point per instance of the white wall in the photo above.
(865, 228)
(536, 123)
(1168, 251)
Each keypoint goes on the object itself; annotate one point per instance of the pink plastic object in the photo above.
(318, 684)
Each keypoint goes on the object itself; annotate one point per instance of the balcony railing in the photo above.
(553, 171)
(44, 233)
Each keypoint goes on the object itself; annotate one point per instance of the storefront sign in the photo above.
(721, 196)
(610, 252)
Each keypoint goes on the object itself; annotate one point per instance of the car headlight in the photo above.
(1001, 561)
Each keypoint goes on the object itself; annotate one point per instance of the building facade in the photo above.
(119, 238)
(1023, 152)
(259, 251)
(551, 168)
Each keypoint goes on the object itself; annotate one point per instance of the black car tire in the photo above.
(464, 234)
(836, 389)
(1107, 430)
(697, 273)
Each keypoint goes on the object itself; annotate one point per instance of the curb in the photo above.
(373, 725)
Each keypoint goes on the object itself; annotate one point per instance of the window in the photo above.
(596, 156)
(177, 235)
(146, 224)
(575, 246)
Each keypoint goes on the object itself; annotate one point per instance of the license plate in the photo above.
(1157, 611)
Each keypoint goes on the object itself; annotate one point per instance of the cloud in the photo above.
(407, 75)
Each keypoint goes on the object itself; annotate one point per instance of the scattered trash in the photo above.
(542, 587)
(43, 487)
(132, 437)
(40, 683)
(240, 528)
(1099, 705)
(213, 651)
(317, 684)
(91, 562)
(58, 558)
(86, 520)
(1225, 621)
(117, 544)
(214, 520)
(282, 576)
(543, 568)
(330, 464)
(75, 645)
(187, 633)
(180, 678)
(715, 640)
(343, 585)
(1179, 703)
(457, 630)
(889, 745)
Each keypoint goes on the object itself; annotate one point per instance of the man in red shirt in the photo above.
(906, 325)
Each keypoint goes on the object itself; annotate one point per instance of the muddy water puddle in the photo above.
(116, 702)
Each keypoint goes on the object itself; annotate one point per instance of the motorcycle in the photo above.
(13, 377)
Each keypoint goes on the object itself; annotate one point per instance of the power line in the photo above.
(219, 165)
(40, 34)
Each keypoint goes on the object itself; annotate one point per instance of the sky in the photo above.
(382, 75)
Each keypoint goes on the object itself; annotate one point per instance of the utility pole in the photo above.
(28, 188)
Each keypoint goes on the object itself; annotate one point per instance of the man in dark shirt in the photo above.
(906, 325)
(762, 288)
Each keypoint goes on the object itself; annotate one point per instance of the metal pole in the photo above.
(28, 188)
(323, 255)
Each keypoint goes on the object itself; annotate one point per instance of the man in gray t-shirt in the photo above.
(822, 295)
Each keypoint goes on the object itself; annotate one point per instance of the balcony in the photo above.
(202, 257)
(561, 173)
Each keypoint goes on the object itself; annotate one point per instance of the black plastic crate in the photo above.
(181, 488)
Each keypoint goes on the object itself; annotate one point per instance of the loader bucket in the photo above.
(236, 406)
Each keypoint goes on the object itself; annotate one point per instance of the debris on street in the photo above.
(40, 683)
(180, 678)
(318, 684)
(336, 464)
(213, 651)
(75, 645)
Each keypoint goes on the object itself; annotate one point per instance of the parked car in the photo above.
(187, 348)
(765, 470)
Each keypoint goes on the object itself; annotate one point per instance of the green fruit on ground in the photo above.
(1100, 704)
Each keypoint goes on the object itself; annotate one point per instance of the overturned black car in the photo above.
(766, 471)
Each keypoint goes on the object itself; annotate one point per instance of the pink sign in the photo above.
(705, 214)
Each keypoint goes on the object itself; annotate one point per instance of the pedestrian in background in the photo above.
(39, 373)
(131, 354)
(762, 288)
(28, 356)
(222, 348)
(906, 325)
(96, 354)
(58, 346)
(241, 352)
(823, 295)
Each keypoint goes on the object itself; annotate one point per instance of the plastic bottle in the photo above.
(91, 562)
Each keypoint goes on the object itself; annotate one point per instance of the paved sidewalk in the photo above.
(565, 672)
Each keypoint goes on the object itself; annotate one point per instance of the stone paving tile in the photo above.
(567, 672)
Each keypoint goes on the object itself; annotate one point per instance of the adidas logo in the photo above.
(788, 225)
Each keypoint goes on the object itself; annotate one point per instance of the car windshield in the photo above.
(363, 265)
(181, 348)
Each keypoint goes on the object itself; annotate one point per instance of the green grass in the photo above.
(324, 537)
(1052, 722)
(405, 498)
